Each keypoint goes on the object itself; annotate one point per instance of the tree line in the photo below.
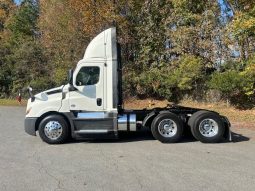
(171, 49)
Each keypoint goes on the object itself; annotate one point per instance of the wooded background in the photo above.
(171, 49)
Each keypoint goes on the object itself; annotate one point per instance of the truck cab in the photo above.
(90, 105)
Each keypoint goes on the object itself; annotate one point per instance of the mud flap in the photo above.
(228, 134)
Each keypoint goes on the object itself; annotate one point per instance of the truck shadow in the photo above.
(187, 137)
(146, 135)
(239, 137)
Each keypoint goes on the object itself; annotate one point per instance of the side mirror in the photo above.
(31, 95)
(70, 77)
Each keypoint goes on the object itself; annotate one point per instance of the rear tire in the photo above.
(207, 126)
(167, 128)
(54, 129)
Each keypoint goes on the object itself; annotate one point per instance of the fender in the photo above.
(70, 116)
(149, 117)
(40, 107)
(165, 111)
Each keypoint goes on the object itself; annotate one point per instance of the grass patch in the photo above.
(12, 102)
(234, 114)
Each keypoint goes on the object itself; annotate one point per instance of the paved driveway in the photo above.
(136, 162)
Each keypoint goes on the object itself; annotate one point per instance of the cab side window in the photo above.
(88, 75)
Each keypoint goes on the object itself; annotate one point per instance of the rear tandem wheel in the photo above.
(167, 128)
(206, 126)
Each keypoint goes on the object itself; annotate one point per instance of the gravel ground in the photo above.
(135, 162)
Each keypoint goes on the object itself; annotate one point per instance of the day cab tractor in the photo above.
(90, 106)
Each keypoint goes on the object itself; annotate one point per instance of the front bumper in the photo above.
(30, 127)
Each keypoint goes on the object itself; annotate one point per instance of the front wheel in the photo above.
(167, 128)
(54, 129)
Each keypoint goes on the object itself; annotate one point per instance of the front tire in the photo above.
(207, 126)
(167, 128)
(54, 129)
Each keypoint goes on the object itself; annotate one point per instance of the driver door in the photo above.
(88, 95)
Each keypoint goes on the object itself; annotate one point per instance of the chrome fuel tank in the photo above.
(127, 122)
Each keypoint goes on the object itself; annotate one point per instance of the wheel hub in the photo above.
(208, 127)
(167, 128)
(53, 130)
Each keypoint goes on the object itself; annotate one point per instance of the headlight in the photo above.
(28, 110)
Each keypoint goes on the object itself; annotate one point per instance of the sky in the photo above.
(17, 1)
(226, 11)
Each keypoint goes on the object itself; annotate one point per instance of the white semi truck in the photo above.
(90, 105)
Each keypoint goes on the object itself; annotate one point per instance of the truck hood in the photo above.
(51, 93)
(54, 90)
(49, 100)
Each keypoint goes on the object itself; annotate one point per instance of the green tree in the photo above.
(230, 83)
(7, 7)
(193, 29)
(151, 34)
(236, 87)
(26, 58)
(75, 23)
(147, 19)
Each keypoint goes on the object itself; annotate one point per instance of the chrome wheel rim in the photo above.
(53, 130)
(208, 128)
(167, 128)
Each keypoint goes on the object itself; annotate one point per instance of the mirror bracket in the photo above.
(72, 88)
(70, 77)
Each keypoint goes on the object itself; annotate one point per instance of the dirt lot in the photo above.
(135, 162)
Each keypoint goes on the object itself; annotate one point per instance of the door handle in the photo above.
(99, 101)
